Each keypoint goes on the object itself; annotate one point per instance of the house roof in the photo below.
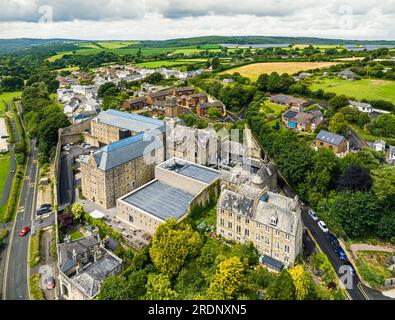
(271, 262)
(360, 104)
(290, 114)
(161, 200)
(329, 137)
(128, 121)
(347, 73)
(125, 150)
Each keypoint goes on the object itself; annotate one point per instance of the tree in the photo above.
(339, 101)
(154, 78)
(338, 124)
(302, 282)
(107, 89)
(214, 113)
(78, 212)
(114, 288)
(172, 245)
(159, 287)
(282, 288)
(384, 185)
(14, 83)
(357, 212)
(355, 178)
(228, 279)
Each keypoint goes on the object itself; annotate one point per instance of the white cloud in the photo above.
(163, 19)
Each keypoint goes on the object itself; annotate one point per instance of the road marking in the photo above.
(363, 291)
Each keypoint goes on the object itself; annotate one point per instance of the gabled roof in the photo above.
(329, 137)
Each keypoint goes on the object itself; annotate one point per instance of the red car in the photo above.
(24, 231)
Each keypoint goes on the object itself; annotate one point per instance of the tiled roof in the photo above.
(329, 137)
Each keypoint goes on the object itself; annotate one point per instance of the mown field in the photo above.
(5, 97)
(253, 71)
(371, 89)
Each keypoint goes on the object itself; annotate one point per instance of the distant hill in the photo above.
(9, 45)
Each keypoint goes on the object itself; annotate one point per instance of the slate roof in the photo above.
(290, 114)
(125, 150)
(271, 262)
(128, 121)
(329, 137)
(161, 200)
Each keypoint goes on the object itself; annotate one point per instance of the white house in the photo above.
(379, 145)
(361, 106)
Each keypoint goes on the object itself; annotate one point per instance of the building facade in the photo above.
(335, 142)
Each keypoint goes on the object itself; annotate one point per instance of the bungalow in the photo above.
(379, 145)
(361, 106)
(347, 75)
(289, 101)
(202, 108)
(135, 103)
(302, 121)
(335, 142)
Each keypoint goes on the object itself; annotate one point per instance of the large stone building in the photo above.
(83, 265)
(271, 221)
(120, 167)
(178, 185)
(133, 145)
(335, 142)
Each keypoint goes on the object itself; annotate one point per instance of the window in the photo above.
(286, 249)
(230, 234)
(287, 236)
(286, 259)
(276, 255)
(267, 241)
(222, 211)
(222, 231)
(230, 214)
(258, 225)
(267, 229)
(130, 218)
(247, 221)
(258, 237)
(273, 220)
(222, 222)
(277, 233)
(238, 218)
(238, 229)
(277, 245)
(247, 232)
(230, 225)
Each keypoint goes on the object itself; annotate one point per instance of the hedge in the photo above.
(54, 249)
(35, 249)
(36, 293)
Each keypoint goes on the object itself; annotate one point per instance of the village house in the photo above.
(379, 145)
(289, 101)
(337, 143)
(361, 106)
(192, 100)
(83, 266)
(135, 104)
(177, 187)
(272, 222)
(347, 75)
(302, 121)
(202, 108)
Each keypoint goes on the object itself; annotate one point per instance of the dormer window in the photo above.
(273, 220)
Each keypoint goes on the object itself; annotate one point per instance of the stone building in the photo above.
(120, 167)
(178, 185)
(271, 221)
(83, 266)
(337, 143)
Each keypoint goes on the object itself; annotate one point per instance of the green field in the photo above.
(371, 89)
(6, 97)
(164, 63)
(4, 171)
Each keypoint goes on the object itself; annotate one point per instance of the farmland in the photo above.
(253, 71)
(163, 63)
(371, 89)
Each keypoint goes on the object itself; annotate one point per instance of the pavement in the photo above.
(16, 271)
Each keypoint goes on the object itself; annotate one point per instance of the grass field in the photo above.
(164, 63)
(75, 234)
(4, 171)
(371, 89)
(371, 266)
(6, 97)
(253, 71)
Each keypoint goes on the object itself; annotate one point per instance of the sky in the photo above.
(168, 19)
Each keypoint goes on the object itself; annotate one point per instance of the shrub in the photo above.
(35, 249)
(36, 293)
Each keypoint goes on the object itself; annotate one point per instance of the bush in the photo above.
(54, 249)
(36, 293)
(35, 250)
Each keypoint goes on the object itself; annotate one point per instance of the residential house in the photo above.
(302, 121)
(361, 106)
(347, 75)
(135, 104)
(202, 108)
(335, 142)
(379, 145)
(289, 101)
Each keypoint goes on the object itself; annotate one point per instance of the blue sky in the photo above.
(164, 19)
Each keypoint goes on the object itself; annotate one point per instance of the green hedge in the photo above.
(54, 249)
(36, 293)
(103, 228)
(35, 249)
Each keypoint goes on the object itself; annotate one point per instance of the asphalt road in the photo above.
(356, 140)
(15, 287)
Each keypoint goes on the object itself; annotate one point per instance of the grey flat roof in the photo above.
(191, 170)
(161, 200)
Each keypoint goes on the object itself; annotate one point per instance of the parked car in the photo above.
(312, 214)
(24, 231)
(332, 239)
(50, 283)
(340, 252)
(44, 210)
(46, 205)
(323, 226)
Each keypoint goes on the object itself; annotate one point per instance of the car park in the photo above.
(24, 231)
(332, 239)
(323, 226)
(313, 215)
(342, 255)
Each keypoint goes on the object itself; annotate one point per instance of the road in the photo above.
(356, 141)
(15, 287)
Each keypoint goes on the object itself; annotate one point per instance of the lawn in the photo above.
(5, 97)
(253, 71)
(371, 89)
(75, 234)
(372, 267)
(275, 107)
(4, 171)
